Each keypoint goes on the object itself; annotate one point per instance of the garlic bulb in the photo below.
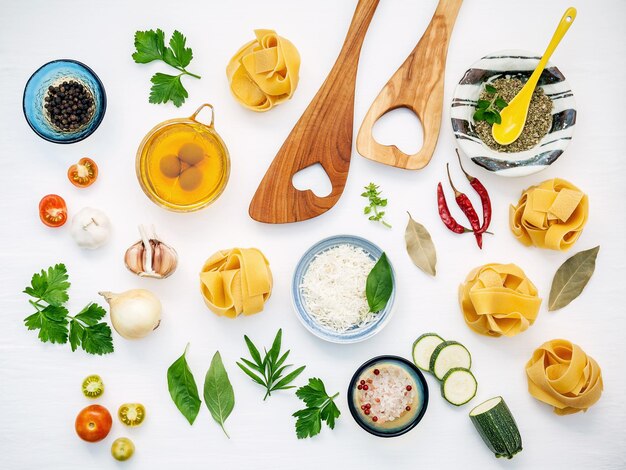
(91, 228)
(134, 313)
(150, 257)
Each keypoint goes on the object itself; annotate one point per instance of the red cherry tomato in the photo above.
(52, 210)
(84, 173)
(93, 423)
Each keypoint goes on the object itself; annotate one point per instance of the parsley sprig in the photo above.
(489, 109)
(320, 407)
(48, 290)
(375, 201)
(269, 368)
(150, 46)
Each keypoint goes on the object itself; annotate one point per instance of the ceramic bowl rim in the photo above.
(96, 123)
(489, 151)
(376, 325)
(390, 358)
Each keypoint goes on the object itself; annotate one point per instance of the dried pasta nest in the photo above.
(551, 215)
(498, 299)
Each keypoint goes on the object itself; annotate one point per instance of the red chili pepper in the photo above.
(468, 209)
(444, 213)
(482, 193)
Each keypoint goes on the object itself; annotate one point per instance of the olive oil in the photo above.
(183, 165)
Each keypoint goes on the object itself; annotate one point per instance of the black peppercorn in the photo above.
(69, 106)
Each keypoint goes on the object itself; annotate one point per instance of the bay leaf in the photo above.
(218, 391)
(571, 278)
(420, 247)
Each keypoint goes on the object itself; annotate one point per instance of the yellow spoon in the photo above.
(514, 115)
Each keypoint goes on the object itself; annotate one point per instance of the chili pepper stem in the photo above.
(457, 193)
(469, 177)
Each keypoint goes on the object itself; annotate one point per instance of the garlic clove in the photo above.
(150, 257)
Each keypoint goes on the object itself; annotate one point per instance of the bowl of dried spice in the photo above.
(64, 101)
(487, 87)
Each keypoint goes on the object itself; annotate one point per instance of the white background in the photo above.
(40, 383)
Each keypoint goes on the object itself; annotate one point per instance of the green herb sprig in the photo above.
(269, 369)
(150, 46)
(48, 290)
(320, 406)
(375, 202)
(489, 109)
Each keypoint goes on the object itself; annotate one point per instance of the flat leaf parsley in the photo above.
(48, 290)
(150, 46)
(320, 407)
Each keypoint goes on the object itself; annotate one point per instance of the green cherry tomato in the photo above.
(131, 414)
(122, 449)
(93, 386)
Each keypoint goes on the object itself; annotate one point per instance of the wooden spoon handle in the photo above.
(323, 134)
(418, 86)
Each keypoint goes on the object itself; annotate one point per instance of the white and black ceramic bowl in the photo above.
(513, 64)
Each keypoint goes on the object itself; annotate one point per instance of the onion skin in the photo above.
(134, 313)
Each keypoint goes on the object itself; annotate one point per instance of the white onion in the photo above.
(134, 313)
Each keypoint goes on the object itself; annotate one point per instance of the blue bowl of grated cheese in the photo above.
(328, 290)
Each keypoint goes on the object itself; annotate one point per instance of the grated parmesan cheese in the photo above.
(333, 288)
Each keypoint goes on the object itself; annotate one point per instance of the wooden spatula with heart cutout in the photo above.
(418, 86)
(322, 135)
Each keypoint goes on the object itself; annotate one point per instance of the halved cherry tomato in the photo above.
(52, 210)
(131, 414)
(84, 173)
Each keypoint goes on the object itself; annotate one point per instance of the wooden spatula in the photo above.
(418, 86)
(322, 135)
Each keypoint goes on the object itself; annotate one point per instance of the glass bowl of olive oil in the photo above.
(182, 164)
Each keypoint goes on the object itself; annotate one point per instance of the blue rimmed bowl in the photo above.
(355, 334)
(404, 423)
(54, 73)
(513, 64)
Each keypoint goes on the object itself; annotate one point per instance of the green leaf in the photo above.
(379, 284)
(254, 352)
(51, 286)
(313, 394)
(309, 422)
(330, 413)
(51, 323)
(572, 277)
(288, 378)
(97, 339)
(183, 388)
(218, 392)
(490, 117)
(167, 88)
(490, 88)
(149, 46)
(483, 104)
(252, 375)
(251, 365)
(177, 55)
(420, 247)
(275, 349)
(500, 103)
(76, 334)
(479, 115)
(498, 118)
(91, 314)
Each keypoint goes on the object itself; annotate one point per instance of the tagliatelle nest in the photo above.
(498, 299)
(264, 72)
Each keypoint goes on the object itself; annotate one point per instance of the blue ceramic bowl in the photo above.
(421, 390)
(355, 334)
(36, 90)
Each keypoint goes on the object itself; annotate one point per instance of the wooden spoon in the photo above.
(322, 135)
(418, 86)
(514, 115)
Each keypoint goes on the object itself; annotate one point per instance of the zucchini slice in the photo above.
(495, 424)
(423, 348)
(458, 386)
(449, 355)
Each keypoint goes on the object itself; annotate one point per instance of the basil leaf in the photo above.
(379, 284)
(218, 392)
(183, 388)
(572, 277)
